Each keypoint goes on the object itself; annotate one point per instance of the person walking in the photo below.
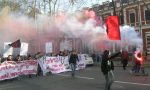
(73, 61)
(125, 58)
(107, 68)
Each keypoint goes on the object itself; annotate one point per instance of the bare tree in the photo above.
(72, 1)
(33, 7)
(14, 6)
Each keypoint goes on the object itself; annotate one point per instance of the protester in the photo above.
(107, 68)
(125, 59)
(73, 61)
(138, 62)
(29, 58)
(9, 58)
(18, 58)
(39, 71)
(61, 53)
(65, 53)
(94, 56)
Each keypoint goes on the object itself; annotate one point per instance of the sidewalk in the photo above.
(130, 64)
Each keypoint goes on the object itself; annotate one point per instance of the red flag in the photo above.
(16, 44)
(113, 31)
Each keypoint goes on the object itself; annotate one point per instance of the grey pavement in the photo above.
(90, 78)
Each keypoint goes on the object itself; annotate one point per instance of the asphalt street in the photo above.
(90, 78)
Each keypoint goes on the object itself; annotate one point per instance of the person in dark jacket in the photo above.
(125, 58)
(73, 61)
(107, 68)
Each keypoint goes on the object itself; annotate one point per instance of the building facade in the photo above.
(134, 13)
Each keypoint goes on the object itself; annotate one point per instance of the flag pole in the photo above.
(114, 13)
(38, 32)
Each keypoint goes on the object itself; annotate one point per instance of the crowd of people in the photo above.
(73, 59)
(107, 65)
(33, 56)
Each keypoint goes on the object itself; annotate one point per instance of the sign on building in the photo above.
(49, 47)
(7, 49)
(24, 49)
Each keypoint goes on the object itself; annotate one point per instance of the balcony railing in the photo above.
(137, 23)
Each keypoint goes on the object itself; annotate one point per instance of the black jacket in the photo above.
(73, 58)
(106, 64)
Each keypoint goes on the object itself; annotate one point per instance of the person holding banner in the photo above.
(9, 58)
(18, 58)
(37, 56)
(73, 61)
(29, 58)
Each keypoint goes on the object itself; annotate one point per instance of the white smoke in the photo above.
(71, 25)
(131, 37)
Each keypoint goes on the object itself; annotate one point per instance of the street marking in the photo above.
(84, 77)
(75, 76)
(63, 75)
(9, 87)
(114, 81)
(133, 83)
(117, 86)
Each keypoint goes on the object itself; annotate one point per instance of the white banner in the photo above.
(11, 69)
(24, 49)
(8, 70)
(27, 67)
(49, 47)
(81, 64)
(41, 62)
(54, 65)
(59, 64)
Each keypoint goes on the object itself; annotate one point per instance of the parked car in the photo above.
(88, 60)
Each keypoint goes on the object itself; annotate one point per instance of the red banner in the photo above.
(113, 31)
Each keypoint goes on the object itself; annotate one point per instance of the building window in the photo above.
(147, 34)
(121, 19)
(124, 1)
(132, 1)
(132, 17)
(147, 15)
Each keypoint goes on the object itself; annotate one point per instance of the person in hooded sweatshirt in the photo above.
(107, 68)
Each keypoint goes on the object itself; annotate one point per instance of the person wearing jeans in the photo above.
(73, 61)
(107, 68)
(109, 80)
(73, 68)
